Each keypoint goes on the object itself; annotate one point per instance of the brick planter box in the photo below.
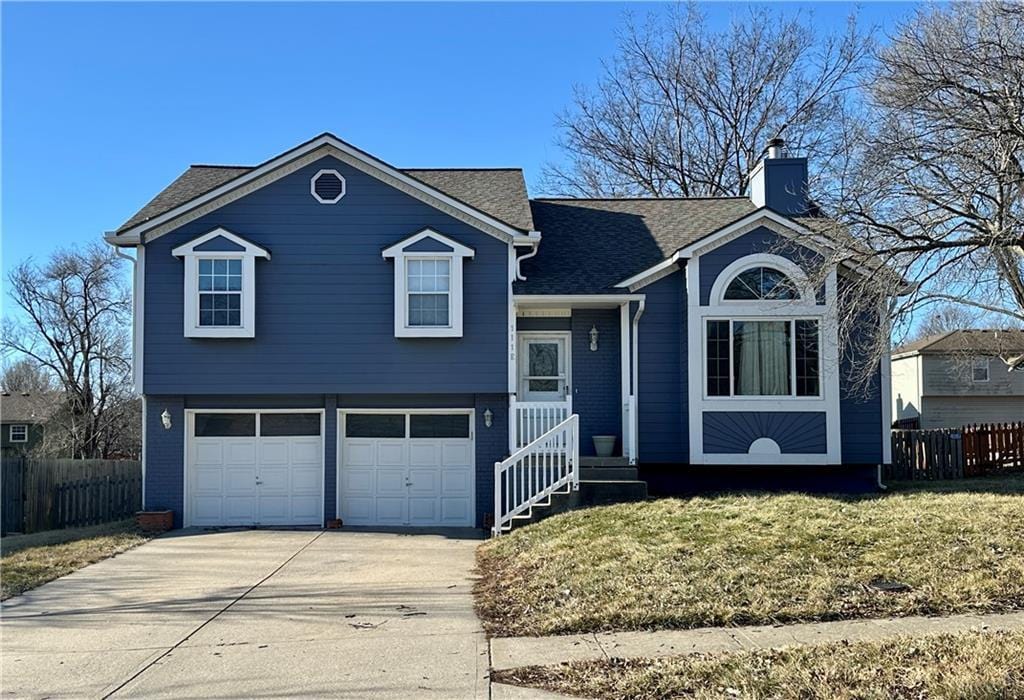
(155, 520)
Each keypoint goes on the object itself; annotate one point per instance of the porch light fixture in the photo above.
(165, 418)
(488, 417)
(593, 338)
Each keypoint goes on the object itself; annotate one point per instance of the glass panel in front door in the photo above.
(545, 375)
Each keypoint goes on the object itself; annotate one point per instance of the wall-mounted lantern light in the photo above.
(593, 338)
(488, 417)
(165, 418)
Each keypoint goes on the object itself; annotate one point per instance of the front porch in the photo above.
(576, 356)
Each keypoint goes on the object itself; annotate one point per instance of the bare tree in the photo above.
(76, 313)
(946, 318)
(931, 199)
(686, 111)
(25, 375)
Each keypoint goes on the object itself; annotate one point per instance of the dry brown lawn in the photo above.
(32, 560)
(759, 559)
(975, 665)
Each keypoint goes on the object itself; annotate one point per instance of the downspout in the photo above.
(135, 297)
(634, 437)
(535, 247)
(881, 486)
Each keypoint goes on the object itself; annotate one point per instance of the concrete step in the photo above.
(604, 462)
(608, 473)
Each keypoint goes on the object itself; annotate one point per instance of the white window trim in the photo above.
(327, 171)
(806, 307)
(248, 256)
(976, 363)
(455, 256)
(24, 435)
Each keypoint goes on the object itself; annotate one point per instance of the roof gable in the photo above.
(203, 189)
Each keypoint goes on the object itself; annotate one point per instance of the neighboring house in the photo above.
(23, 419)
(325, 335)
(951, 379)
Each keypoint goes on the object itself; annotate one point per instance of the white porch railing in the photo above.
(531, 419)
(547, 465)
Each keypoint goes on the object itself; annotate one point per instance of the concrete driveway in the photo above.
(256, 613)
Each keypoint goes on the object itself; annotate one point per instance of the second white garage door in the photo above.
(406, 468)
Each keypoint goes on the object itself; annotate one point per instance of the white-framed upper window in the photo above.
(428, 285)
(220, 285)
(979, 370)
(429, 288)
(18, 432)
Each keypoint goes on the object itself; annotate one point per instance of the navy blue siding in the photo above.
(861, 426)
(663, 409)
(596, 376)
(220, 244)
(428, 245)
(760, 240)
(491, 447)
(732, 432)
(563, 323)
(324, 302)
(165, 456)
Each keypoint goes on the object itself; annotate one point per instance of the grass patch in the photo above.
(32, 560)
(972, 665)
(758, 559)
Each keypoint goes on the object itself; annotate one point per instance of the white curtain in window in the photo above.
(762, 358)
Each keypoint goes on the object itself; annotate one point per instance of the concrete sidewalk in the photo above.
(515, 652)
(256, 613)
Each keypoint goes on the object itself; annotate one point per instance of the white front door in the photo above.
(407, 468)
(544, 366)
(255, 468)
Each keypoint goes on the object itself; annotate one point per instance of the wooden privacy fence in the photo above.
(953, 453)
(58, 493)
(990, 449)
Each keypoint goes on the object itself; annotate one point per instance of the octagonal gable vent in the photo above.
(327, 186)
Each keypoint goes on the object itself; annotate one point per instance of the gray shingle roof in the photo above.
(590, 245)
(33, 408)
(990, 342)
(498, 192)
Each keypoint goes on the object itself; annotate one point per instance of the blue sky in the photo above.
(104, 104)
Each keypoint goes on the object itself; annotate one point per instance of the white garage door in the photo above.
(407, 468)
(255, 468)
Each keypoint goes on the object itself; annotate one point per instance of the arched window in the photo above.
(763, 337)
(761, 284)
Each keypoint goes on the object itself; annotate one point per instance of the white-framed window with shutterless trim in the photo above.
(220, 285)
(428, 285)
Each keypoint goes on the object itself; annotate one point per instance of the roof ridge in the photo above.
(211, 165)
(634, 199)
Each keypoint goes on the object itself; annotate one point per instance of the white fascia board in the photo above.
(248, 248)
(458, 249)
(122, 241)
(325, 141)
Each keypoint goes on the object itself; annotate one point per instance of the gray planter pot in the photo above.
(604, 445)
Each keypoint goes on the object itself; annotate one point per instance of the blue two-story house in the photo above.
(325, 336)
